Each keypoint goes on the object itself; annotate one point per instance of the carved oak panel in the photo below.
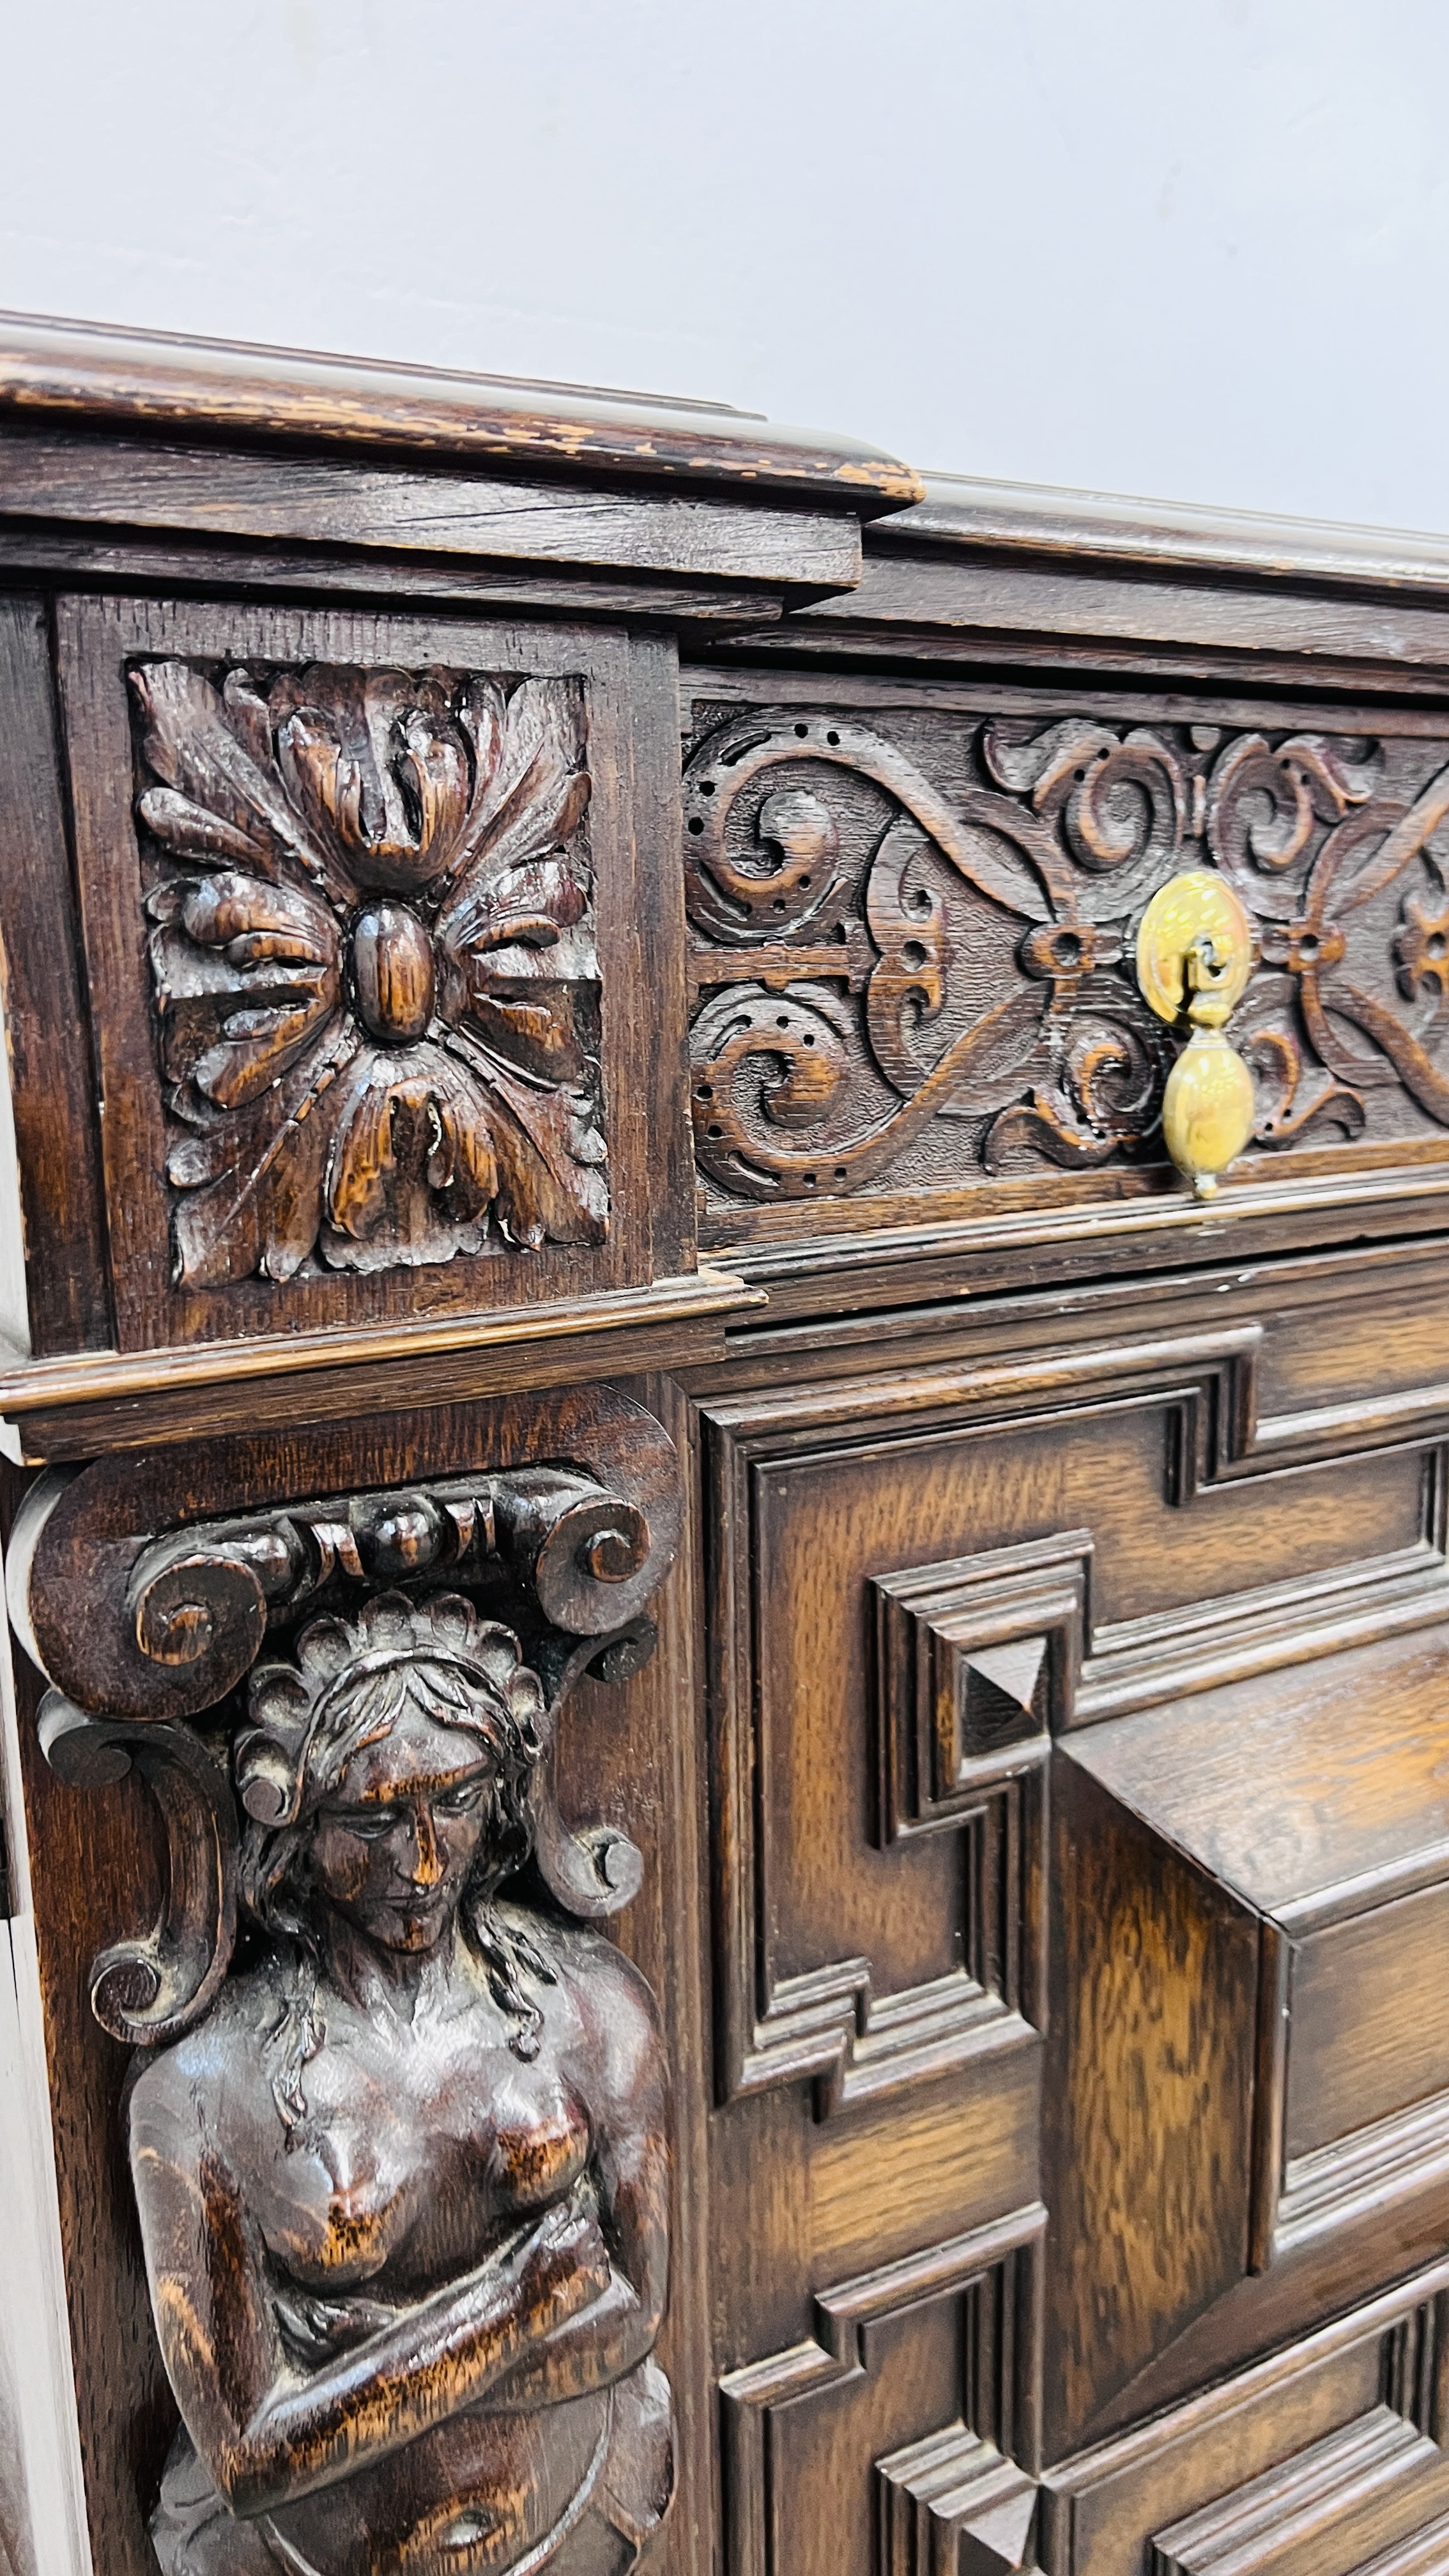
(1329, 2455)
(900, 1621)
(912, 938)
(957, 2494)
(367, 907)
(376, 980)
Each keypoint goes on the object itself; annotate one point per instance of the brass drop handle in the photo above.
(1194, 956)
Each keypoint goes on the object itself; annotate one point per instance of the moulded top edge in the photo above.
(89, 372)
(976, 512)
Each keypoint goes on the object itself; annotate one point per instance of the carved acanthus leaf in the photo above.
(374, 965)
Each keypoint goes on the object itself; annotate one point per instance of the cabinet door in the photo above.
(1080, 1772)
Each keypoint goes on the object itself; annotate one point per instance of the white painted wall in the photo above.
(1192, 248)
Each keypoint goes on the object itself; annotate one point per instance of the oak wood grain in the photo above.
(281, 498)
(46, 1017)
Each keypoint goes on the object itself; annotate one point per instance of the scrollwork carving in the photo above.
(1121, 800)
(150, 1989)
(1263, 803)
(962, 1004)
(1106, 1098)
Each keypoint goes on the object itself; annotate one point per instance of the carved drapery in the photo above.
(875, 951)
(373, 961)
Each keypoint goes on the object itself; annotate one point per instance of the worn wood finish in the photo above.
(186, 565)
(1006, 578)
(79, 372)
(71, 1408)
(208, 492)
(850, 1934)
(51, 1076)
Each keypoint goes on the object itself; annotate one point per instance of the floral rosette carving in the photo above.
(374, 965)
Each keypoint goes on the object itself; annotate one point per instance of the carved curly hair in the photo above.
(350, 1684)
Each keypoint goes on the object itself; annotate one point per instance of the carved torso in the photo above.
(426, 2142)
(425, 2138)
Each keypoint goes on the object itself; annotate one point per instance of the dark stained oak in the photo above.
(57, 1148)
(97, 372)
(208, 492)
(389, 1773)
(829, 1960)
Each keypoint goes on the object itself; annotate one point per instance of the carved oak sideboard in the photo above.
(726, 1796)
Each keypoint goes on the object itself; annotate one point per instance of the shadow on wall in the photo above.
(17, 2558)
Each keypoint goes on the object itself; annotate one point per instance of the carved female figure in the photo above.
(404, 2193)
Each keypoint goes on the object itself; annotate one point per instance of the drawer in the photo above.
(913, 915)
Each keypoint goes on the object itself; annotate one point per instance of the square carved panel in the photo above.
(363, 909)
(373, 961)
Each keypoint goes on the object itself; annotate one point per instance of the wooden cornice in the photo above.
(968, 514)
(102, 376)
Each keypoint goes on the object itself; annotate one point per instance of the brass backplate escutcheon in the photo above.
(1194, 956)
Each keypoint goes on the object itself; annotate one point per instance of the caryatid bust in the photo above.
(404, 2192)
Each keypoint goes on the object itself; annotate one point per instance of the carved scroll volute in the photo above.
(597, 1870)
(149, 1990)
(142, 1629)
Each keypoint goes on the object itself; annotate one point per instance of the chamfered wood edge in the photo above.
(906, 1264)
(961, 512)
(109, 1399)
(99, 372)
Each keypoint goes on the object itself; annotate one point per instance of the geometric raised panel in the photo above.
(871, 1720)
(1315, 1805)
(953, 2502)
(1326, 2459)
(899, 1765)
(1301, 2505)
(960, 2496)
(976, 1664)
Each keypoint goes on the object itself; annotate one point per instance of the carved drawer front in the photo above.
(366, 906)
(913, 917)
(920, 1578)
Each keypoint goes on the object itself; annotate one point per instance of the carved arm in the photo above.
(598, 2343)
(270, 2436)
